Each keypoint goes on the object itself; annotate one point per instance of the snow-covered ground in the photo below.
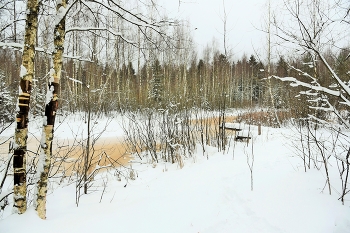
(206, 195)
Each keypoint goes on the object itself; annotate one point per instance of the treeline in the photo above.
(113, 65)
(214, 82)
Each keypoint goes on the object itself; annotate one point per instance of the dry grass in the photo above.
(68, 154)
(264, 118)
(105, 152)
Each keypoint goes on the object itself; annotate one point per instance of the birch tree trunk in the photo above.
(50, 112)
(269, 67)
(21, 131)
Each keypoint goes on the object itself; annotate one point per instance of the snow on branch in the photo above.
(335, 76)
(303, 73)
(63, 11)
(342, 158)
(11, 45)
(75, 80)
(295, 82)
(325, 109)
(38, 49)
(348, 56)
(342, 84)
(79, 58)
(316, 119)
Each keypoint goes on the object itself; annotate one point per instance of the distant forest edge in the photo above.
(213, 84)
(104, 70)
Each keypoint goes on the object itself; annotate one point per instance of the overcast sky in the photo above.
(244, 18)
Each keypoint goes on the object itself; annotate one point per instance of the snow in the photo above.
(49, 94)
(335, 76)
(61, 13)
(75, 80)
(234, 126)
(23, 71)
(11, 45)
(206, 195)
(295, 82)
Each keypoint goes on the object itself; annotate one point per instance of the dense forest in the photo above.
(160, 68)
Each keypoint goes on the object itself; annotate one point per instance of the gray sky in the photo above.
(243, 20)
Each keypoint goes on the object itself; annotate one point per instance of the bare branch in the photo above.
(118, 34)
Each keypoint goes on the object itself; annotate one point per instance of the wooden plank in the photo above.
(233, 126)
(243, 135)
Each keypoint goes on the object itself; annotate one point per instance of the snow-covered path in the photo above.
(205, 196)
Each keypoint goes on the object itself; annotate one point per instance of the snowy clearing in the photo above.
(207, 195)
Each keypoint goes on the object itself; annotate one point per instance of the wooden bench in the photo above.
(233, 126)
(243, 136)
(243, 132)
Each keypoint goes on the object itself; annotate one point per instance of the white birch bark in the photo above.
(50, 110)
(21, 131)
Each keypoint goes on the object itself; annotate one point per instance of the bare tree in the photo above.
(250, 163)
(269, 52)
(313, 35)
(62, 10)
(311, 38)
